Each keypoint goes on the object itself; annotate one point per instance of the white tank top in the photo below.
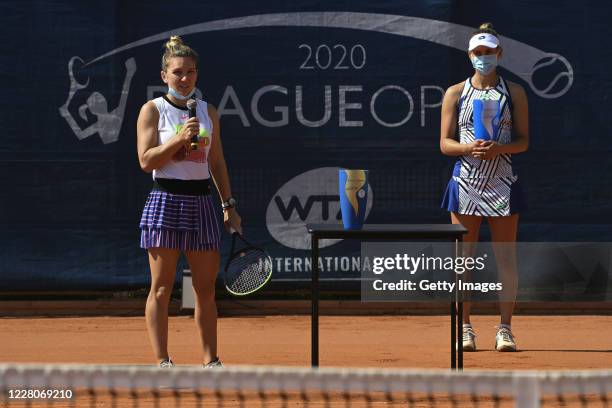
(171, 119)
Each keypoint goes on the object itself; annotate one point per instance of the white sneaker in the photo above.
(216, 363)
(504, 340)
(167, 363)
(469, 339)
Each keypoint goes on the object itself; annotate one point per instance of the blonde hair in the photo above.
(175, 47)
(486, 28)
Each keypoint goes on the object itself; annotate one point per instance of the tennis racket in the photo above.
(248, 269)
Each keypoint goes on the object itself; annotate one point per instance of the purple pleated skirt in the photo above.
(177, 221)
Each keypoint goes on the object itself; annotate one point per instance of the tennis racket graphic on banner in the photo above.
(248, 269)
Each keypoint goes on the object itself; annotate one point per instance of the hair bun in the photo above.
(174, 42)
(486, 26)
(175, 47)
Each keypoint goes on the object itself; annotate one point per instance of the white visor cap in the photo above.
(486, 39)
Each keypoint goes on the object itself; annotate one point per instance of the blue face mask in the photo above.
(178, 96)
(485, 64)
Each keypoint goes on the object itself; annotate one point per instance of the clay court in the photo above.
(545, 342)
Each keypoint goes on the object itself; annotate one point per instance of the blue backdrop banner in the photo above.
(302, 90)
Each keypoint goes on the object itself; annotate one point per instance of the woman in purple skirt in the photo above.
(179, 215)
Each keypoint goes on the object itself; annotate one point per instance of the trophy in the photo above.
(353, 186)
(486, 119)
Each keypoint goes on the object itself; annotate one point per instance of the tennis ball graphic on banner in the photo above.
(309, 198)
(551, 76)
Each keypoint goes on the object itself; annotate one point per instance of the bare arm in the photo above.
(448, 126)
(520, 121)
(216, 159)
(151, 155)
(218, 171)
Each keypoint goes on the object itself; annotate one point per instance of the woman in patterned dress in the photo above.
(484, 183)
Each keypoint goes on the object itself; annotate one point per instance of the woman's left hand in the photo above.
(232, 220)
(487, 150)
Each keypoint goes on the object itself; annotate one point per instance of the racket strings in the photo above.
(248, 271)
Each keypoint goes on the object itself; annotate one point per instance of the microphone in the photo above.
(191, 106)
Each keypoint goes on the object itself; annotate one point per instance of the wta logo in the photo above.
(309, 198)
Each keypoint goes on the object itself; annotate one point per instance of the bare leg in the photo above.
(504, 231)
(204, 267)
(470, 240)
(163, 268)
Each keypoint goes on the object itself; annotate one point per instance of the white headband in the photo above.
(486, 39)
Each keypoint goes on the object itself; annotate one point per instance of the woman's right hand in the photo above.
(190, 128)
(473, 148)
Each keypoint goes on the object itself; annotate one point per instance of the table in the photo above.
(445, 232)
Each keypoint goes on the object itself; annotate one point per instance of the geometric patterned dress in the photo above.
(487, 188)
